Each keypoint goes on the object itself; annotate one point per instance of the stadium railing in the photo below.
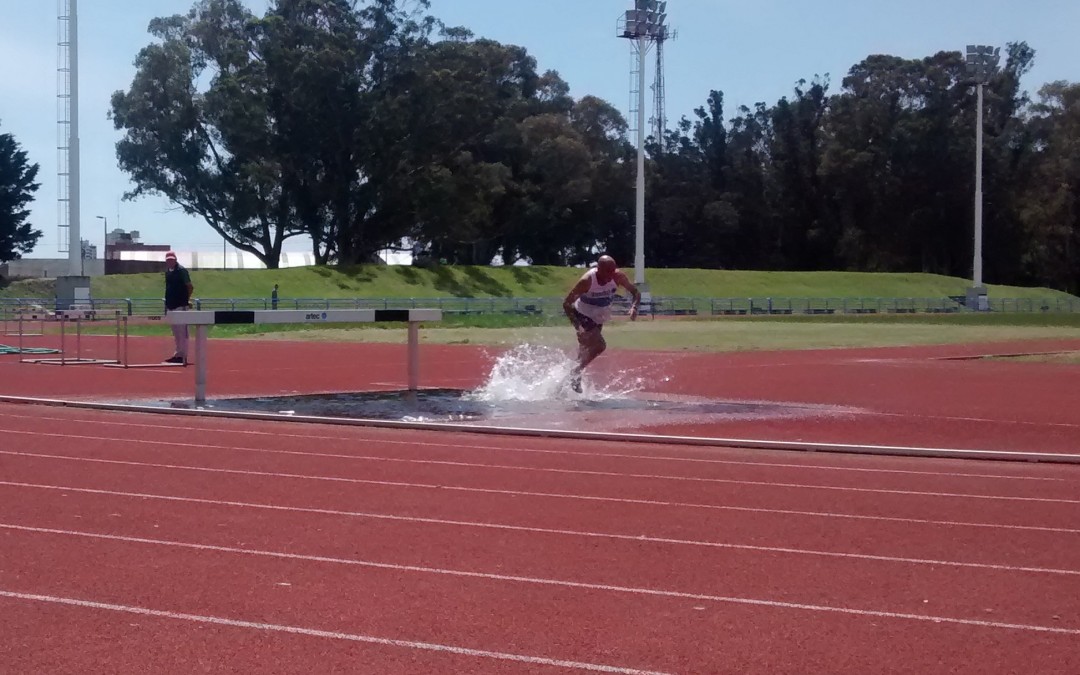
(658, 306)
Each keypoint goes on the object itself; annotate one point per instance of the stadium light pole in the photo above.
(104, 242)
(643, 25)
(982, 63)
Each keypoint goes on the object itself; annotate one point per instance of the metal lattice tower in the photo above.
(67, 129)
(659, 119)
(636, 78)
(658, 122)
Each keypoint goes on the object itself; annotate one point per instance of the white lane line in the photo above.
(502, 467)
(710, 507)
(569, 453)
(950, 418)
(571, 584)
(333, 635)
(570, 533)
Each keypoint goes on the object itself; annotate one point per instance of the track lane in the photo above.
(1063, 482)
(76, 639)
(980, 542)
(1008, 508)
(684, 635)
(495, 544)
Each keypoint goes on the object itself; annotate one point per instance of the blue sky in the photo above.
(753, 51)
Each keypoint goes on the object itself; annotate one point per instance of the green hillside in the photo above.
(373, 281)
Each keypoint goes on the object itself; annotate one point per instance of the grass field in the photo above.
(725, 334)
(371, 281)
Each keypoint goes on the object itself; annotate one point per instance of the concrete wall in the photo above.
(72, 291)
(48, 268)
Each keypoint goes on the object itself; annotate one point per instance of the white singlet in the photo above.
(596, 302)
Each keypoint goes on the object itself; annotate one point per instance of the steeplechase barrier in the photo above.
(203, 320)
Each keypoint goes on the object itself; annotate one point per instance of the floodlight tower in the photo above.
(659, 120)
(67, 99)
(982, 63)
(644, 27)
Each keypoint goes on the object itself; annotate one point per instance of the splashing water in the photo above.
(535, 373)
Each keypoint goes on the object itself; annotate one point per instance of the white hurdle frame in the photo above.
(124, 361)
(20, 318)
(202, 320)
(78, 316)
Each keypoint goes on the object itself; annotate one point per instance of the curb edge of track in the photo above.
(654, 439)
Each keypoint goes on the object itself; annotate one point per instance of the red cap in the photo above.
(170, 256)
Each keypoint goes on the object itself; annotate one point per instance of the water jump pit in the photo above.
(527, 388)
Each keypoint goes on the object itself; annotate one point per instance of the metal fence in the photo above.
(659, 306)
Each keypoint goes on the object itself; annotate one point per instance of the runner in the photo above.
(588, 305)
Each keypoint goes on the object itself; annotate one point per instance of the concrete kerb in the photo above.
(650, 439)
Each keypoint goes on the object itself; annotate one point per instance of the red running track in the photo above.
(132, 543)
(914, 396)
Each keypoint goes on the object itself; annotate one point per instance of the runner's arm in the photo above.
(624, 281)
(189, 287)
(579, 289)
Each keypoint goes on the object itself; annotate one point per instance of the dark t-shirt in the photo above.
(176, 292)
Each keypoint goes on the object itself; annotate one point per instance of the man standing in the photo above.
(588, 305)
(178, 290)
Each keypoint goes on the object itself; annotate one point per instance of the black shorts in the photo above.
(586, 323)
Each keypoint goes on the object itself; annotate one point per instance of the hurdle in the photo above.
(203, 320)
(20, 318)
(76, 315)
(124, 360)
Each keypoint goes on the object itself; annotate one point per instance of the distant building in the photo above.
(125, 254)
(202, 260)
(50, 268)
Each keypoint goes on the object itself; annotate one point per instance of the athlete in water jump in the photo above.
(589, 306)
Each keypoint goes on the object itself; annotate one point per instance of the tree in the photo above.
(448, 128)
(606, 217)
(271, 128)
(897, 165)
(1010, 155)
(17, 188)
(492, 158)
(340, 70)
(1050, 211)
(805, 232)
(208, 151)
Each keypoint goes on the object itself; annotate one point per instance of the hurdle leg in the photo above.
(414, 355)
(200, 364)
(125, 341)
